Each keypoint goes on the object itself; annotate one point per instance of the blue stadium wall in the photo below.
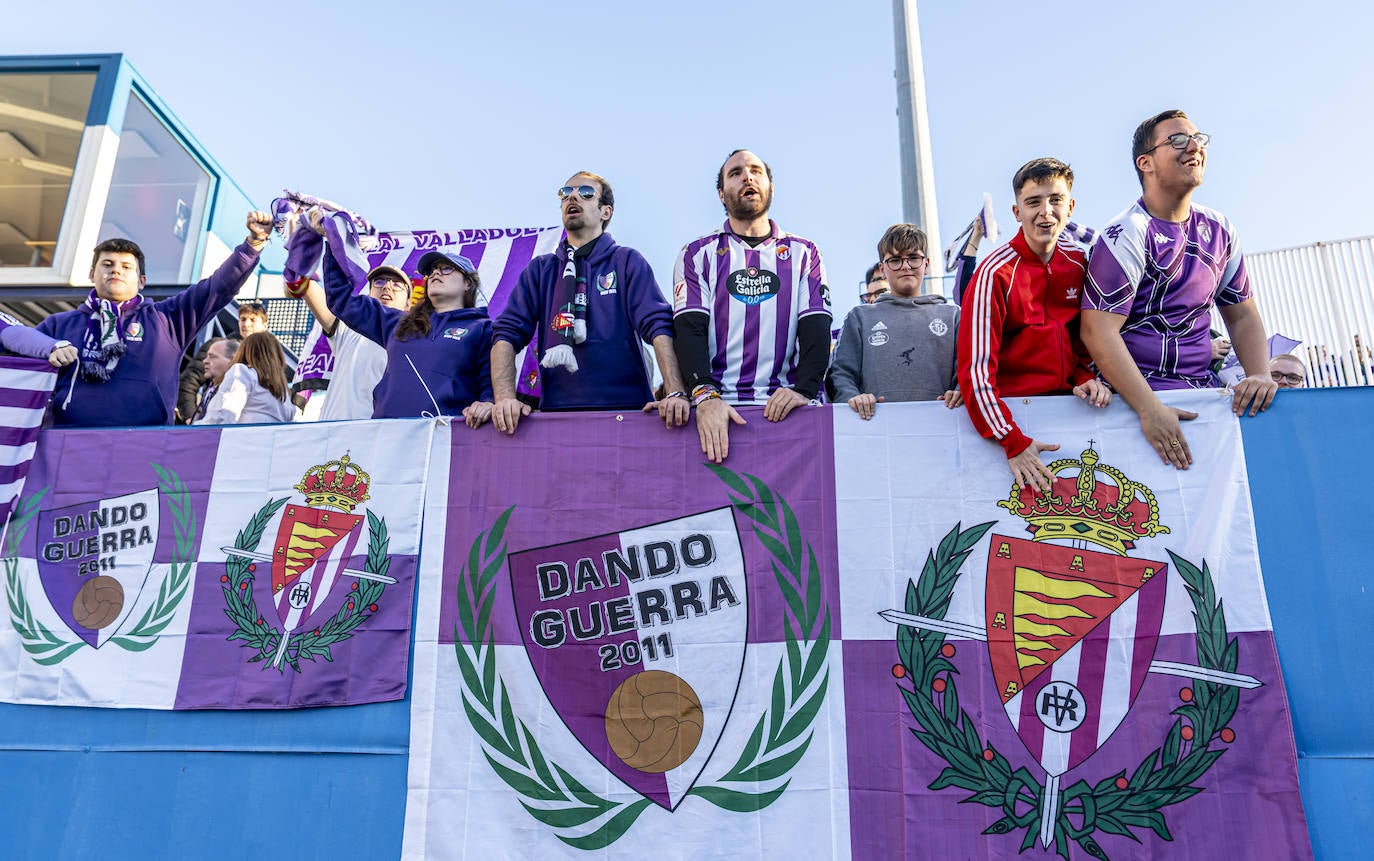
(331, 783)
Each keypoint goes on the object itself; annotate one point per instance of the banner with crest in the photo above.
(853, 639)
(255, 567)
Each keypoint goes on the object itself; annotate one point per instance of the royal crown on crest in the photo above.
(339, 484)
(1113, 514)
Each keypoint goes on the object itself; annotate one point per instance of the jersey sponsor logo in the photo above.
(825, 294)
(134, 332)
(680, 293)
(877, 339)
(605, 284)
(938, 327)
(455, 333)
(753, 286)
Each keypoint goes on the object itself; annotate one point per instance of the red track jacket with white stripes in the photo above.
(1018, 334)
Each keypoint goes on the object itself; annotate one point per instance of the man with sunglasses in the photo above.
(751, 310)
(589, 306)
(1018, 333)
(1153, 276)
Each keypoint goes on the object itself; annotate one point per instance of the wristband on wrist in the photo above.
(671, 395)
(703, 393)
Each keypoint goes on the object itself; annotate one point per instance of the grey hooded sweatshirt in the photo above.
(901, 349)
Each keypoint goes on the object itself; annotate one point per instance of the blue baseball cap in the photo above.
(431, 258)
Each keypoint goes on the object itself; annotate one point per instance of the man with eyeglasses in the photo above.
(751, 310)
(1153, 276)
(875, 284)
(1018, 333)
(358, 362)
(901, 347)
(588, 307)
(1288, 372)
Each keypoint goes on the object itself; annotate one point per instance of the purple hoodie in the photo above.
(624, 308)
(143, 390)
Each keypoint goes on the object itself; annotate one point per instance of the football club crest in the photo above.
(938, 327)
(314, 548)
(605, 284)
(134, 332)
(1071, 631)
(638, 640)
(106, 569)
(95, 559)
(784, 252)
(454, 333)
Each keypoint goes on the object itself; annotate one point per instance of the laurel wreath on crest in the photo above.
(779, 739)
(1115, 805)
(47, 647)
(256, 632)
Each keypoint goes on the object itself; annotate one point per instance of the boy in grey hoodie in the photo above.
(900, 348)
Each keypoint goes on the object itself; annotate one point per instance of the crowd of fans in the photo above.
(749, 322)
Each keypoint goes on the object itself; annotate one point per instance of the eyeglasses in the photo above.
(441, 270)
(913, 262)
(1293, 379)
(381, 282)
(1179, 140)
(586, 192)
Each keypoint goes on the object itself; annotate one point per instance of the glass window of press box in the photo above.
(158, 195)
(42, 117)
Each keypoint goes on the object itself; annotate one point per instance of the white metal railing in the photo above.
(1323, 295)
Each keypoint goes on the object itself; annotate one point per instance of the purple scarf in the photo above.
(105, 333)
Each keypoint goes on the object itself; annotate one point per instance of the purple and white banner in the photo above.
(255, 567)
(25, 388)
(500, 255)
(854, 639)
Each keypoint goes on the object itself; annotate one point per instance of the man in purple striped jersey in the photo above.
(1153, 276)
(751, 310)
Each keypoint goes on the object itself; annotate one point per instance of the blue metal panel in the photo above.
(78, 805)
(1310, 479)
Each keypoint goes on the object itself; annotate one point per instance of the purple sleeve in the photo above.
(691, 291)
(649, 311)
(517, 322)
(1107, 286)
(18, 338)
(363, 314)
(188, 311)
(1235, 283)
(816, 297)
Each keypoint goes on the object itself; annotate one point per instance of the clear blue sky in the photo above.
(442, 115)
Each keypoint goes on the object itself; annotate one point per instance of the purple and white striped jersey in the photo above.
(754, 297)
(1164, 278)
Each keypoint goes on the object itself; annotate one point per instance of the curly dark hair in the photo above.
(416, 323)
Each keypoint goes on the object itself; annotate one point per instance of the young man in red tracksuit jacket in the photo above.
(1018, 328)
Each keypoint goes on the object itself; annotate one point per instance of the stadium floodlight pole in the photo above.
(913, 123)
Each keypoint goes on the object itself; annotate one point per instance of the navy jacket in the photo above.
(624, 308)
(454, 359)
(143, 389)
